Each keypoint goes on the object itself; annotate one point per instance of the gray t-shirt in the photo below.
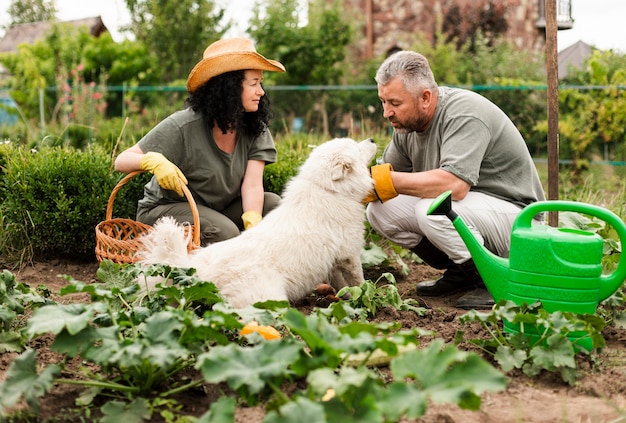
(474, 140)
(214, 177)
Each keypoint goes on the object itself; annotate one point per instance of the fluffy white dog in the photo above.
(314, 236)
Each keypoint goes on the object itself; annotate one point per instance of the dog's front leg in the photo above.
(346, 272)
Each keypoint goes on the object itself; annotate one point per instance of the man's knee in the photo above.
(397, 228)
(371, 214)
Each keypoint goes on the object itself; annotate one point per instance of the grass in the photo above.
(601, 185)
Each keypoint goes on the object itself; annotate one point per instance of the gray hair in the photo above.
(410, 67)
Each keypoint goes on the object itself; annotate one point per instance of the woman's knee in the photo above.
(270, 202)
(212, 231)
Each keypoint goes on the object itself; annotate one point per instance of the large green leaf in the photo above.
(74, 344)
(162, 328)
(559, 354)
(22, 380)
(251, 367)
(55, 318)
(221, 411)
(403, 399)
(107, 345)
(138, 411)
(351, 395)
(300, 410)
(10, 342)
(510, 358)
(373, 255)
(448, 375)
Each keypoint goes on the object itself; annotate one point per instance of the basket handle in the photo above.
(192, 204)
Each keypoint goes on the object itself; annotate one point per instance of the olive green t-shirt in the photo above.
(473, 139)
(214, 177)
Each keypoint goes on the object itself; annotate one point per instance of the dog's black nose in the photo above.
(370, 139)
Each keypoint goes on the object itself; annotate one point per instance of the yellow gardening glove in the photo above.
(251, 218)
(383, 185)
(167, 174)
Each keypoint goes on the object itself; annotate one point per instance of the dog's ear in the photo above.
(340, 168)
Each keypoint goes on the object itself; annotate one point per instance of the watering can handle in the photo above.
(611, 281)
(529, 212)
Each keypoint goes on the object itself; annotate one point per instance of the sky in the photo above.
(600, 23)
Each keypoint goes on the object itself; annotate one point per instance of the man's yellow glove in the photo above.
(383, 185)
(167, 174)
(251, 218)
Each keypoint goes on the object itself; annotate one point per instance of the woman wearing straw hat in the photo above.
(218, 146)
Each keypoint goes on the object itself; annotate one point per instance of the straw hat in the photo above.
(229, 55)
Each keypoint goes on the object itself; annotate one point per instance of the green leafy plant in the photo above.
(292, 152)
(373, 296)
(337, 388)
(444, 375)
(541, 340)
(613, 310)
(134, 346)
(611, 249)
(14, 299)
(380, 252)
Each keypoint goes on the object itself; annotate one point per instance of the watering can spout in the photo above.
(493, 269)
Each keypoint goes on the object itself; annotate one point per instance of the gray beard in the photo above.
(414, 126)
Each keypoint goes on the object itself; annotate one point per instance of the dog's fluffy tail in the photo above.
(166, 243)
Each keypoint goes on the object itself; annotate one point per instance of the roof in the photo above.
(35, 31)
(574, 55)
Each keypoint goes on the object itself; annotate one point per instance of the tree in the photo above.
(312, 53)
(592, 120)
(27, 11)
(69, 58)
(176, 32)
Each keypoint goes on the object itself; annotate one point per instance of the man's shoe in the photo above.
(432, 255)
(477, 299)
(452, 281)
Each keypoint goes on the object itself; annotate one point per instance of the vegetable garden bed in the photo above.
(597, 394)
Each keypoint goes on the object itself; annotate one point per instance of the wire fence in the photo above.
(335, 109)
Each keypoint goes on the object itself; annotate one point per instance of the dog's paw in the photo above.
(324, 289)
(325, 295)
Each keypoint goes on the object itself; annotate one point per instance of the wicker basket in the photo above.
(118, 239)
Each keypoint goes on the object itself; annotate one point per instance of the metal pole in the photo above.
(42, 119)
(552, 64)
(369, 29)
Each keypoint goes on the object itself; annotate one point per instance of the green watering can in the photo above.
(561, 267)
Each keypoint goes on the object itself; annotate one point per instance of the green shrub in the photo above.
(53, 196)
(278, 174)
(52, 199)
(292, 152)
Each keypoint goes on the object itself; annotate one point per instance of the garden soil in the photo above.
(599, 394)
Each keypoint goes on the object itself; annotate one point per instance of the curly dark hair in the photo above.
(219, 101)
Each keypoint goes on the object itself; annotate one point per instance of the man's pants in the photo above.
(403, 220)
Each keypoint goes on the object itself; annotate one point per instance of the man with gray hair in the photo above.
(447, 139)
